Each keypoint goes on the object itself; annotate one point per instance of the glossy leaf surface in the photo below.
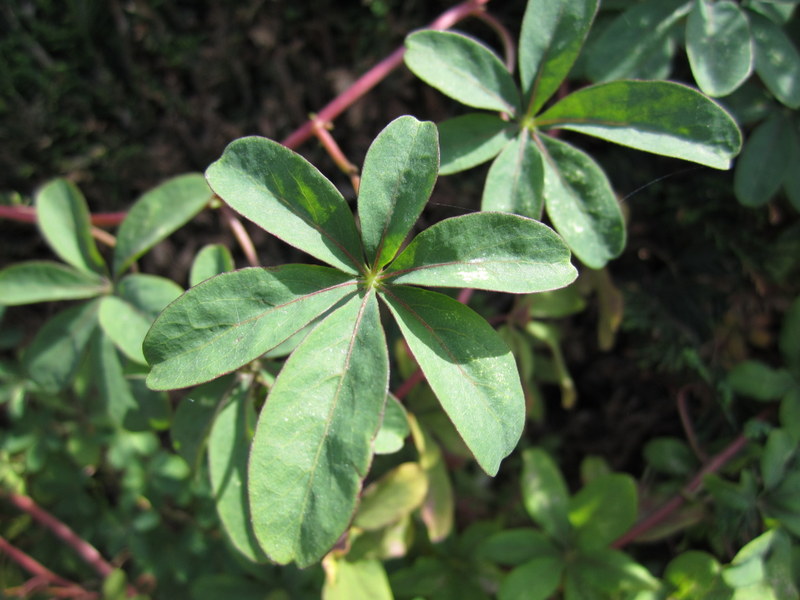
(283, 194)
(63, 218)
(232, 319)
(462, 68)
(468, 366)
(396, 182)
(156, 215)
(777, 60)
(43, 281)
(656, 116)
(313, 441)
(553, 32)
(470, 140)
(490, 251)
(581, 204)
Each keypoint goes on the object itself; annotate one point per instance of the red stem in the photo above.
(241, 235)
(31, 565)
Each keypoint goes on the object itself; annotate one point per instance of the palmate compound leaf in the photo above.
(233, 318)
(313, 442)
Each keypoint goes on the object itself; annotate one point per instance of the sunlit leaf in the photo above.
(43, 281)
(470, 140)
(515, 182)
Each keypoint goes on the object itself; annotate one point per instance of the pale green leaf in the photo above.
(581, 204)
(359, 580)
(55, 354)
(603, 510)
(394, 428)
(396, 182)
(488, 251)
(764, 161)
(462, 68)
(696, 574)
(468, 366)
(228, 449)
(64, 221)
(553, 32)
(537, 579)
(44, 281)
(515, 182)
(394, 496)
(125, 325)
(544, 493)
(284, 194)
(232, 319)
(212, 259)
(632, 38)
(149, 293)
(777, 60)
(438, 508)
(655, 116)
(470, 140)
(313, 441)
(719, 46)
(156, 215)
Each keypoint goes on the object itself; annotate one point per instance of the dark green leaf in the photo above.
(228, 449)
(777, 60)
(233, 318)
(545, 494)
(43, 281)
(789, 340)
(756, 380)
(119, 402)
(468, 366)
(395, 495)
(553, 32)
(56, 352)
(281, 192)
(516, 180)
(537, 579)
(606, 573)
(396, 182)
(719, 47)
(313, 441)
(212, 259)
(462, 68)
(489, 251)
(125, 325)
(695, 574)
(63, 218)
(764, 161)
(655, 116)
(791, 178)
(603, 510)
(670, 456)
(581, 204)
(472, 139)
(632, 38)
(156, 215)
(149, 293)
(513, 547)
(778, 451)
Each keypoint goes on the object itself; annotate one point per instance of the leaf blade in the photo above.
(470, 140)
(515, 182)
(44, 281)
(777, 60)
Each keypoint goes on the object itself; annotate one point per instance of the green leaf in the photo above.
(670, 456)
(282, 193)
(655, 116)
(553, 32)
(438, 508)
(313, 441)
(194, 417)
(212, 259)
(790, 413)
(394, 428)
(470, 140)
(581, 204)
(515, 182)
(228, 449)
(544, 493)
(119, 402)
(233, 318)
(469, 368)
(64, 221)
(602, 510)
(395, 495)
(125, 325)
(756, 380)
(44, 281)
(156, 215)
(606, 573)
(695, 574)
(54, 355)
(632, 38)
(761, 167)
(778, 451)
(789, 340)
(514, 547)
(537, 579)
(777, 60)
(396, 182)
(719, 47)
(359, 580)
(488, 251)
(462, 68)
(149, 293)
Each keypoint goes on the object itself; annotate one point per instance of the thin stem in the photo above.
(241, 235)
(322, 132)
(31, 565)
(686, 421)
(102, 236)
(509, 48)
(377, 73)
(409, 384)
